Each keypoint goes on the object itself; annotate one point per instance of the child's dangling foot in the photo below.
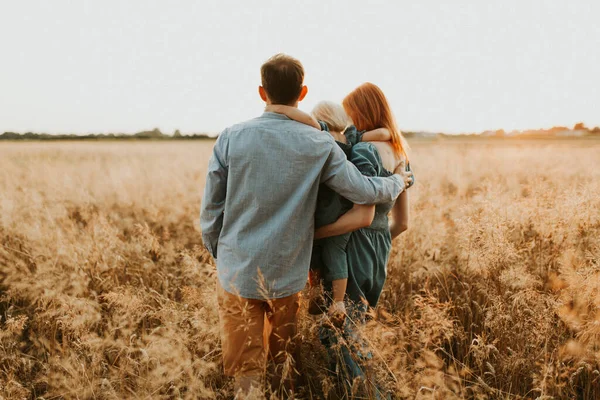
(337, 313)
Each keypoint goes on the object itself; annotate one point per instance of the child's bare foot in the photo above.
(337, 313)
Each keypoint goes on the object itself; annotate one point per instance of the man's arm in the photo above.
(295, 114)
(344, 178)
(377, 135)
(213, 199)
(359, 216)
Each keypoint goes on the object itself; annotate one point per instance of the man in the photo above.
(257, 221)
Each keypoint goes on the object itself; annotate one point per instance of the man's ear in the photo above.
(303, 93)
(262, 93)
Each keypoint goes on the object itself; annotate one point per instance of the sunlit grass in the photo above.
(106, 291)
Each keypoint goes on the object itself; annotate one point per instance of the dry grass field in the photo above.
(107, 293)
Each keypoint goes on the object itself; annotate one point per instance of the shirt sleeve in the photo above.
(213, 199)
(366, 159)
(344, 178)
(368, 162)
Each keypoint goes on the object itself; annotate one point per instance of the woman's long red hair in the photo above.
(369, 109)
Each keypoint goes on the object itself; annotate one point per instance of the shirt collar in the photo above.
(272, 115)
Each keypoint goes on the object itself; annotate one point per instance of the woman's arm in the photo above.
(399, 215)
(360, 216)
(377, 135)
(295, 114)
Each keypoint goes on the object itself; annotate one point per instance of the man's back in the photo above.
(274, 166)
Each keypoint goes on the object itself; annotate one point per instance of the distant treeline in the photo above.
(577, 131)
(154, 134)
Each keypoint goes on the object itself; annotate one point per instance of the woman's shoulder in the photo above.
(389, 158)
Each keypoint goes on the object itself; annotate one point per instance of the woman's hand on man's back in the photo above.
(407, 176)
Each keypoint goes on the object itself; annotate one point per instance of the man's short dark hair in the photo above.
(282, 77)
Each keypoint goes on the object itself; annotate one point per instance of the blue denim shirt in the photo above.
(258, 207)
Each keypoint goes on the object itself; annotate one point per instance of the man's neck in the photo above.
(269, 103)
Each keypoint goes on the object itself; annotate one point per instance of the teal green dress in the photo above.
(368, 249)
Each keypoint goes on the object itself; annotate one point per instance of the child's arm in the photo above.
(360, 216)
(377, 135)
(295, 114)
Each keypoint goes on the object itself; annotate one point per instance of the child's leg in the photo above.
(339, 289)
(335, 270)
(335, 263)
(337, 309)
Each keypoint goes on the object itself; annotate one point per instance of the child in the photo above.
(329, 253)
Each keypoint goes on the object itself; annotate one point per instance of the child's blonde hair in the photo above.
(333, 115)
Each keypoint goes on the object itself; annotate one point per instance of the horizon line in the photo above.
(216, 133)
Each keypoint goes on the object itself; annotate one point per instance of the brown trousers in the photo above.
(252, 329)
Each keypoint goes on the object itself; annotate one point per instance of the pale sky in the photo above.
(454, 66)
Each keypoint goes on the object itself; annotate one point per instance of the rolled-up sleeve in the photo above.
(213, 199)
(343, 177)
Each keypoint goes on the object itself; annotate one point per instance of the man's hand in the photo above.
(407, 176)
